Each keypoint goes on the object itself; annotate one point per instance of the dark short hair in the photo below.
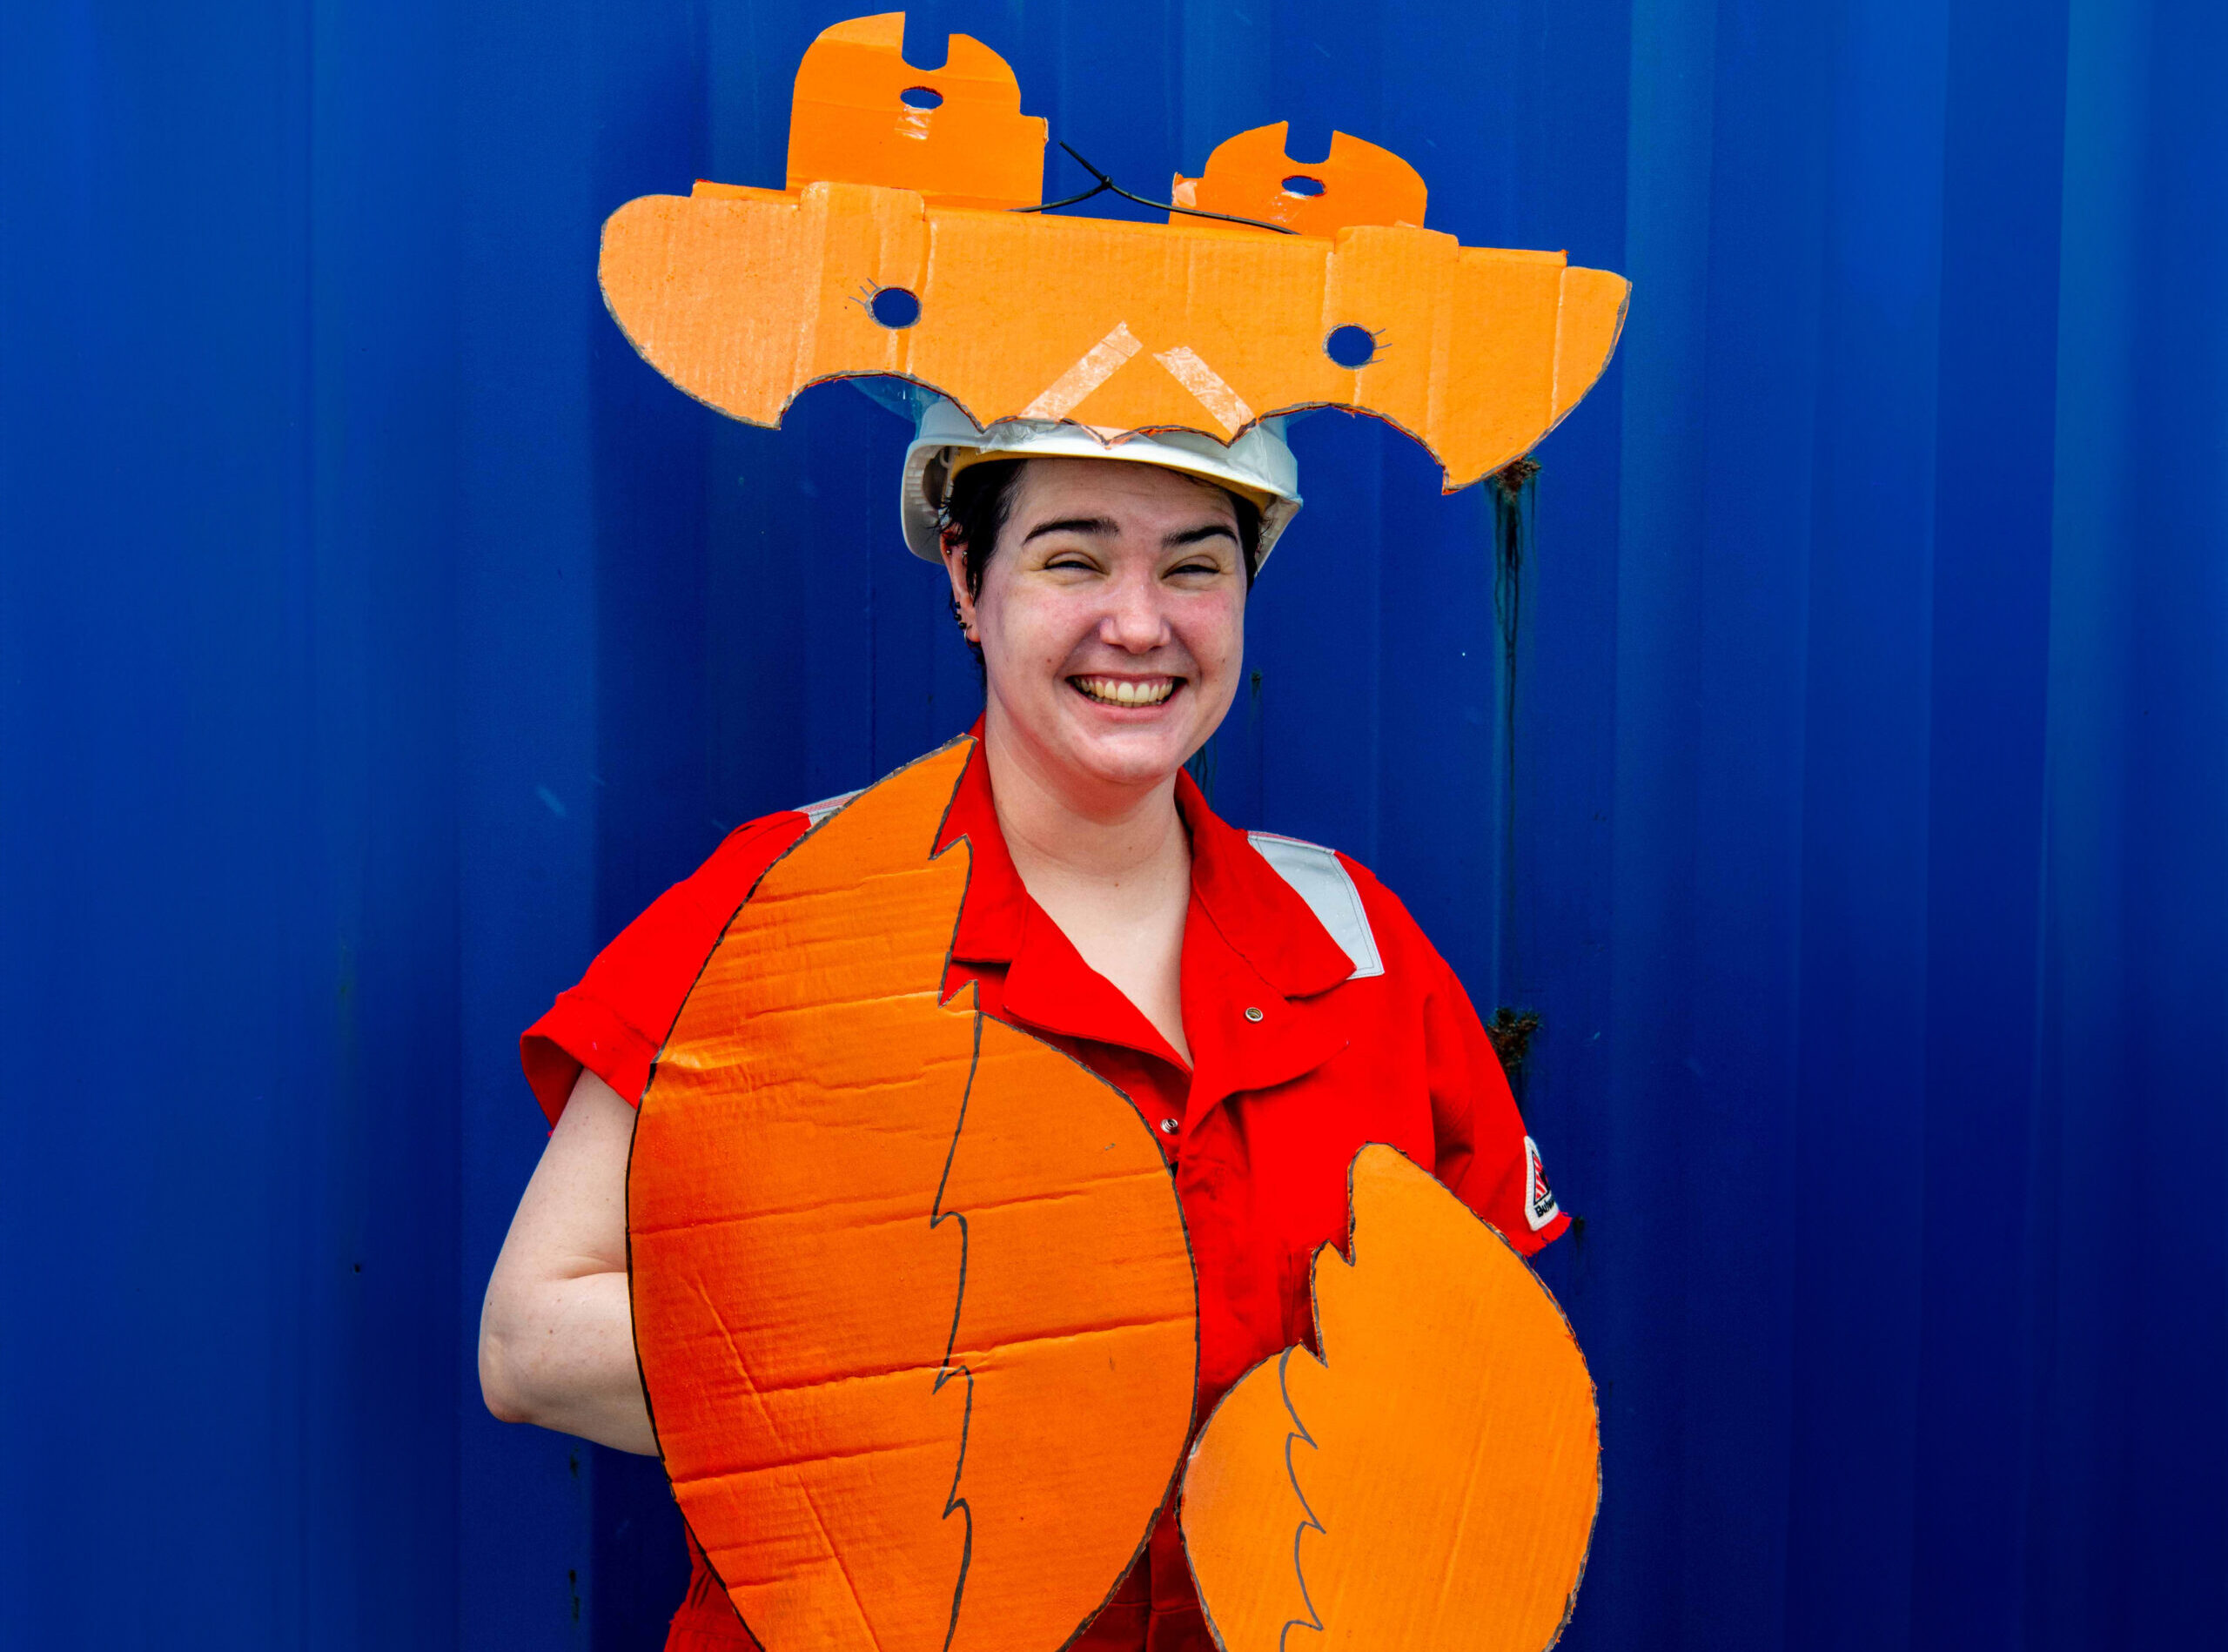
(982, 498)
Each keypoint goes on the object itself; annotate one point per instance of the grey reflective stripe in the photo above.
(1317, 877)
(815, 813)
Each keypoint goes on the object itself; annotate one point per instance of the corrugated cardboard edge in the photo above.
(1588, 296)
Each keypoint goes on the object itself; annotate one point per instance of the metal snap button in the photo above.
(1252, 1012)
(1169, 1127)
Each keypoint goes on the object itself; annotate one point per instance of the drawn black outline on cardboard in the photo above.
(1314, 1521)
(947, 1370)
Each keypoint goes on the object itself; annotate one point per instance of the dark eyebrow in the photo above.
(1073, 525)
(1206, 531)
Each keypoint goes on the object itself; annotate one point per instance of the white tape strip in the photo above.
(1093, 368)
(1212, 390)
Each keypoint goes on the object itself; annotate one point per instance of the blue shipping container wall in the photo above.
(1834, 759)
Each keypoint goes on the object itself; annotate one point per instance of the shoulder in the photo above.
(729, 873)
(1331, 884)
(722, 885)
(613, 1020)
(1359, 912)
(745, 853)
(1364, 918)
(725, 880)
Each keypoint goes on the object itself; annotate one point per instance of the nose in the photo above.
(1134, 621)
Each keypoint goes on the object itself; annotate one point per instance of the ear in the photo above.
(955, 567)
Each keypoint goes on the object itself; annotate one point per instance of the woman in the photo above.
(1267, 1004)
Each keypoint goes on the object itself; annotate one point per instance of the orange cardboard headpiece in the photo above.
(903, 244)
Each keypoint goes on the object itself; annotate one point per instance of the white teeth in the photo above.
(1118, 691)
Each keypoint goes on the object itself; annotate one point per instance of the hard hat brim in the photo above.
(1258, 466)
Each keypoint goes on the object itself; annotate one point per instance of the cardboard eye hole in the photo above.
(921, 97)
(1300, 184)
(894, 308)
(1350, 346)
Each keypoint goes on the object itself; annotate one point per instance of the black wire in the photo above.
(1106, 183)
(1096, 189)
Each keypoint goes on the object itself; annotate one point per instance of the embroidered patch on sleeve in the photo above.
(1540, 1206)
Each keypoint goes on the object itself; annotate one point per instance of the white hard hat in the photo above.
(1257, 466)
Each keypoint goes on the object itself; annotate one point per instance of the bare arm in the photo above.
(556, 1333)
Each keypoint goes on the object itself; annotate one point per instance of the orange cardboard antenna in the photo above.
(912, 1297)
(1250, 176)
(1429, 1484)
(885, 255)
(956, 134)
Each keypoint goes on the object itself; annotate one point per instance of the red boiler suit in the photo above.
(1305, 1045)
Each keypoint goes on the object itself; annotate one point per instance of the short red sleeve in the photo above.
(615, 1022)
(1483, 1155)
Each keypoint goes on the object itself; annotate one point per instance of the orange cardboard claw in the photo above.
(911, 1292)
(744, 297)
(1429, 1484)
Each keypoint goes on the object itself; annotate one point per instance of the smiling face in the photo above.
(1112, 620)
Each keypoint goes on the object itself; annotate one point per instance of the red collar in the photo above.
(1256, 912)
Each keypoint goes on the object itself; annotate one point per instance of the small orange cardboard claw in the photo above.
(1430, 1484)
(899, 178)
